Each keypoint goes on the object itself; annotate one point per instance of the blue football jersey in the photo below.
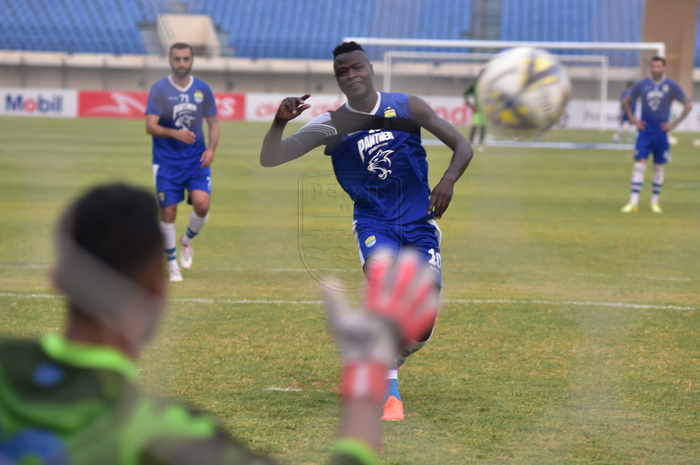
(385, 172)
(633, 103)
(180, 108)
(656, 100)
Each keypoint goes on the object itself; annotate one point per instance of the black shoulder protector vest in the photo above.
(347, 122)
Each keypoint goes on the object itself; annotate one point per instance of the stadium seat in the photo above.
(263, 28)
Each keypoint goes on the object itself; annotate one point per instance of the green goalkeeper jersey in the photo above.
(64, 403)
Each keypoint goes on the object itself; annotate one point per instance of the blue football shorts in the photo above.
(425, 237)
(653, 142)
(172, 181)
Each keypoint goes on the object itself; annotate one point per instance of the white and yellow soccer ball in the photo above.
(523, 92)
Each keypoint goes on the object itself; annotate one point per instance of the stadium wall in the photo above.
(256, 106)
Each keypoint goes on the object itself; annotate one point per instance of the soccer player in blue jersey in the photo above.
(658, 93)
(375, 147)
(181, 160)
(626, 125)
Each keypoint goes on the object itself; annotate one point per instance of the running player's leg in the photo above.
(199, 188)
(170, 192)
(372, 238)
(661, 157)
(618, 136)
(643, 148)
(424, 238)
(472, 134)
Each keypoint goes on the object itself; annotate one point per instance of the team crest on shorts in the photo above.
(370, 241)
(161, 196)
(198, 96)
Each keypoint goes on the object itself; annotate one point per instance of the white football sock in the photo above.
(637, 181)
(196, 224)
(169, 240)
(657, 182)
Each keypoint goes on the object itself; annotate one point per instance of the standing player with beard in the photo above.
(375, 146)
(181, 160)
(658, 93)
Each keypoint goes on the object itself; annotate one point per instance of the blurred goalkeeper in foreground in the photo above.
(71, 398)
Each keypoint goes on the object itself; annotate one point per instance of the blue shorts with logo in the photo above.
(172, 181)
(424, 237)
(655, 142)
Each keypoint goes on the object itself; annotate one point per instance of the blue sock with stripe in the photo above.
(392, 382)
(637, 181)
(657, 183)
(169, 239)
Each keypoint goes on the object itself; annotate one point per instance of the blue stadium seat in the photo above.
(574, 20)
(104, 26)
(311, 28)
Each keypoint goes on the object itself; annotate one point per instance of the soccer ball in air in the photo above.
(523, 92)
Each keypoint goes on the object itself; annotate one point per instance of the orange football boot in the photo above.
(393, 409)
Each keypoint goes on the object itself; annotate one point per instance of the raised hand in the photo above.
(291, 107)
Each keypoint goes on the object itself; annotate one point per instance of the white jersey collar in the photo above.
(181, 89)
(374, 110)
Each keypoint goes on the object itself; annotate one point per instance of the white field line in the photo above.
(448, 301)
(569, 302)
(447, 270)
(26, 266)
(274, 388)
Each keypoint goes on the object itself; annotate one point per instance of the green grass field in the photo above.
(568, 334)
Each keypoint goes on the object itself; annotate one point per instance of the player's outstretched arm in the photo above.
(424, 115)
(156, 130)
(274, 152)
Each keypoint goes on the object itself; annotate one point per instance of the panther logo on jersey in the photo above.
(654, 98)
(380, 163)
(374, 138)
(183, 114)
(185, 121)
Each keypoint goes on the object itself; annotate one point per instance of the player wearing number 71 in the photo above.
(375, 146)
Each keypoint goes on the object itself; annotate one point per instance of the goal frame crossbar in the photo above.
(659, 47)
(390, 55)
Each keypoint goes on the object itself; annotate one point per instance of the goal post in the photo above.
(602, 60)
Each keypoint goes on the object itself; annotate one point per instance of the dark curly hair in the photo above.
(347, 47)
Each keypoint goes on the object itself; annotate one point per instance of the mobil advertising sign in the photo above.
(57, 103)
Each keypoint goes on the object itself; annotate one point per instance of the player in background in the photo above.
(375, 147)
(471, 98)
(626, 125)
(73, 398)
(181, 160)
(658, 93)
